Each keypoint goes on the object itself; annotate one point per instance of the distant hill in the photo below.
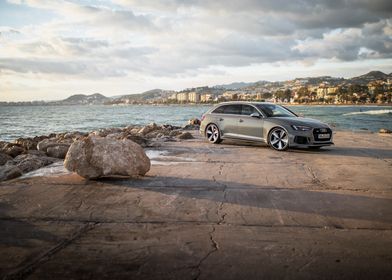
(371, 76)
(154, 93)
(147, 95)
(237, 85)
(82, 99)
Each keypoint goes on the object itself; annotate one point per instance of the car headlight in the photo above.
(301, 127)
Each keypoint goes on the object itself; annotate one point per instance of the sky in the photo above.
(51, 49)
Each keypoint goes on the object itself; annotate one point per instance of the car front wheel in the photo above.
(278, 139)
(213, 134)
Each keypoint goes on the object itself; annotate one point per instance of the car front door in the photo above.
(251, 127)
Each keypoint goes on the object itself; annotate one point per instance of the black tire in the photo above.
(278, 139)
(213, 134)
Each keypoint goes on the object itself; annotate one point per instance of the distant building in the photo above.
(172, 96)
(206, 97)
(182, 97)
(194, 97)
(332, 90)
(322, 92)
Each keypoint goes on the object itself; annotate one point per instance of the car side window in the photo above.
(248, 110)
(232, 109)
(219, 110)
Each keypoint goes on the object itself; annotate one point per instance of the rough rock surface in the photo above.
(59, 151)
(384, 130)
(106, 131)
(30, 162)
(139, 140)
(8, 172)
(148, 128)
(185, 135)
(191, 127)
(194, 121)
(12, 149)
(4, 158)
(94, 157)
(53, 142)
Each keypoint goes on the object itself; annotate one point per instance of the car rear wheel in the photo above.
(278, 139)
(213, 134)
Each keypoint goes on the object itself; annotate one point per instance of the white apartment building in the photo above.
(194, 97)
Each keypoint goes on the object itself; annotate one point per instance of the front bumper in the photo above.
(310, 138)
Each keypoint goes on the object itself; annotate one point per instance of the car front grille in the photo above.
(318, 131)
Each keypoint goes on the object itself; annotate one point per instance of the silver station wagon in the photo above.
(268, 123)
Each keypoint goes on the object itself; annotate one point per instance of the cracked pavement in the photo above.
(206, 211)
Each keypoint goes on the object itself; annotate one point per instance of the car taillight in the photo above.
(202, 118)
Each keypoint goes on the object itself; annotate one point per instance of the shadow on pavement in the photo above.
(346, 151)
(322, 203)
(328, 150)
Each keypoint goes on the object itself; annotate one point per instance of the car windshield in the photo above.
(272, 110)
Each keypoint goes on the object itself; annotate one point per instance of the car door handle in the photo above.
(241, 120)
(221, 120)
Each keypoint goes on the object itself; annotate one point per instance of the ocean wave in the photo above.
(371, 112)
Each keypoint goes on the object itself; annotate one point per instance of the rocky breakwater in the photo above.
(28, 154)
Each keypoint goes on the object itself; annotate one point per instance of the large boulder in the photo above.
(93, 157)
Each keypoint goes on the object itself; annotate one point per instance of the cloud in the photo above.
(169, 38)
(372, 41)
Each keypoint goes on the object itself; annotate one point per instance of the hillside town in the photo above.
(373, 87)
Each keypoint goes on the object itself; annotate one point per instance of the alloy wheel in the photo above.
(213, 134)
(279, 139)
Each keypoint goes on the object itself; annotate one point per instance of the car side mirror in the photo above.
(255, 115)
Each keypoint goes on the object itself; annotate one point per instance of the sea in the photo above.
(29, 121)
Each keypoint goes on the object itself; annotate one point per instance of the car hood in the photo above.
(298, 121)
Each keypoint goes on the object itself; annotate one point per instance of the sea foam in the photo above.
(371, 112)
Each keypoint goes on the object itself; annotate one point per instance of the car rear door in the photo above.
(228, 120)
(250, 127)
